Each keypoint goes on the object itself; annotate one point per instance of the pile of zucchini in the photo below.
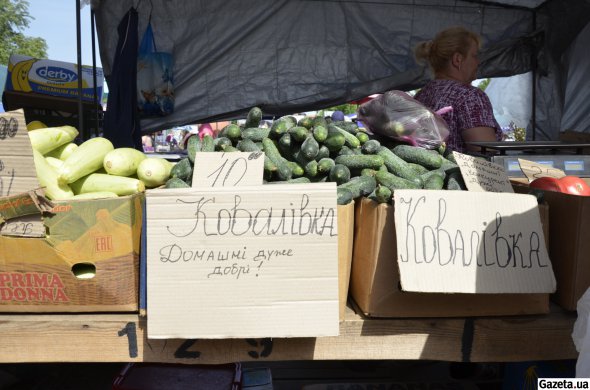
(317, 150)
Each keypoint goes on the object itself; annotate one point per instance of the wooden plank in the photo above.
(122, 338)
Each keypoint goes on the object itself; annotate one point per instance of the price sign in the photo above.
(17, 169)
(533, 170)
(482, 175)
(228, 169)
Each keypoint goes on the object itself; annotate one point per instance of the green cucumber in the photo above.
(360, 161)
(398, 166)
(419, 169)
(176, 182)
(350, 127)
(429, 159)
(343, 196)
(335, 142)
(306, 122)
(325, 164)
(322, 153)
(298, 133)
(394, 182)
(434, 182)
(247, 145)
(383, 194)
(278, 128)
(371, 147)
(454, 182)
(350, 139)
(283, 170)
(221, 142)
(296, 169)
(207, 144)
(231, 131)
(255, 133)
(339, 174)
(253, 118)
(360, 185)
(193, 145)
(310, 148)
(182, 169)
(362, 136)
(320, 133)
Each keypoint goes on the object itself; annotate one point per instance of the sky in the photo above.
(55, 21)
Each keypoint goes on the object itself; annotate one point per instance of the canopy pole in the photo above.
(79, 49)
(534, 91)
(96, 102)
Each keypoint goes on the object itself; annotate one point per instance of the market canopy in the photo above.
(289, 56)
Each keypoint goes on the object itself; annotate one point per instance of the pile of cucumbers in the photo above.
(317, 150)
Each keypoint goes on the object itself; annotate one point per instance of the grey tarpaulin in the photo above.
(290, 56)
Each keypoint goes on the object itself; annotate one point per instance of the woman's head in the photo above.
(455, 44)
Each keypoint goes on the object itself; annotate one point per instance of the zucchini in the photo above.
(63, 151)
(154, 171)
(94, 195)
(85, 159)
(55, 163)
(123, 161)
(46, 139)
(429, 159)
(48, 178)
(120, 185)
(360, 161)
(253, 118)
(339, 174)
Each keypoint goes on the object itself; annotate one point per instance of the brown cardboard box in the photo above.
(569, 244)
(102, 235)
(375, 282)
(345, 240)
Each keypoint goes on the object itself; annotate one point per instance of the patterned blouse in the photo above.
(471, 108)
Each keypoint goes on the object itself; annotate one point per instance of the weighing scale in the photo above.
(566, 156)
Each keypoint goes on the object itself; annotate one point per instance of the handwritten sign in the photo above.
(482, 175)
(17, 170)
(242, 262)
(228, 169)
(533, 170)
(471, 242)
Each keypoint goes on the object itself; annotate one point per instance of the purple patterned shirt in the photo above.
(471, 108)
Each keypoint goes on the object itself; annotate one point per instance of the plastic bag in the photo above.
(397, 115)
(155, 82)
(581, 336)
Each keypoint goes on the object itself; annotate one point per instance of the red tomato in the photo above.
(572, 185)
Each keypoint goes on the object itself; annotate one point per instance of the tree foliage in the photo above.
(14, 18)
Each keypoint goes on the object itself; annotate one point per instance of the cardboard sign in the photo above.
(228, 169)
(17, 170)
(533, 170)
(471, 242)
(481, 175)
(242, 262)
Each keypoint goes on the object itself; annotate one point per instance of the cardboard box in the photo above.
(345, 243)
(569, 246)
(38, 274)
(375, 280)
(49, 77)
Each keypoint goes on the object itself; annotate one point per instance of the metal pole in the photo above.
(79, 48)
(96, 102)
(534, 90)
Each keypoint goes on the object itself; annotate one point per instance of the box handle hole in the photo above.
(84, 270)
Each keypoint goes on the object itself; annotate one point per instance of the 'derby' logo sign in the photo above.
(31, 287)
(56, 74)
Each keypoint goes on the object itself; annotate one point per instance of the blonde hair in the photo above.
(439, 51)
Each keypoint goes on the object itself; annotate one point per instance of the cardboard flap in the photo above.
(482, 175)
(242, 262)
(28, 203)
(471, 242)
(533, 170)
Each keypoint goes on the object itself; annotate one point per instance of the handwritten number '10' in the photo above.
(220, 171)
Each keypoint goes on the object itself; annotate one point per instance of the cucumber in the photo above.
(320, 133)
(417, 155)
(436, 172)
(255, 133)
(454, 182)
(319, 120)
(325, 164)
(343, 196)
(230, 149)
(350, 139)
(419, 169)
(306, 122)
(296, 169)
(360, 185)
(231, 131)
(278, 128)
(311, 168)
(371, 147)
(324, 152)
(398, 166)
(285, 141)
(450, 156)
(253, 118)
(283, 170)
(434, 182)
(207, 144)
(247, 145)
(182, 169)
(383, 194)
(310, 148)
(175, 182)
(335, 142)
(221, 142)
(298, 180)
(394, 182)
(193, 145)
(350, 127)
(345, 151)
(448, 166)
(339, 174)
(362, 136)
(360, 161)
(298, 133)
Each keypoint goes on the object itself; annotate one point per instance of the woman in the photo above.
(452, 56)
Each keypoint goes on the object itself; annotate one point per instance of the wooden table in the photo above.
(122, 338)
